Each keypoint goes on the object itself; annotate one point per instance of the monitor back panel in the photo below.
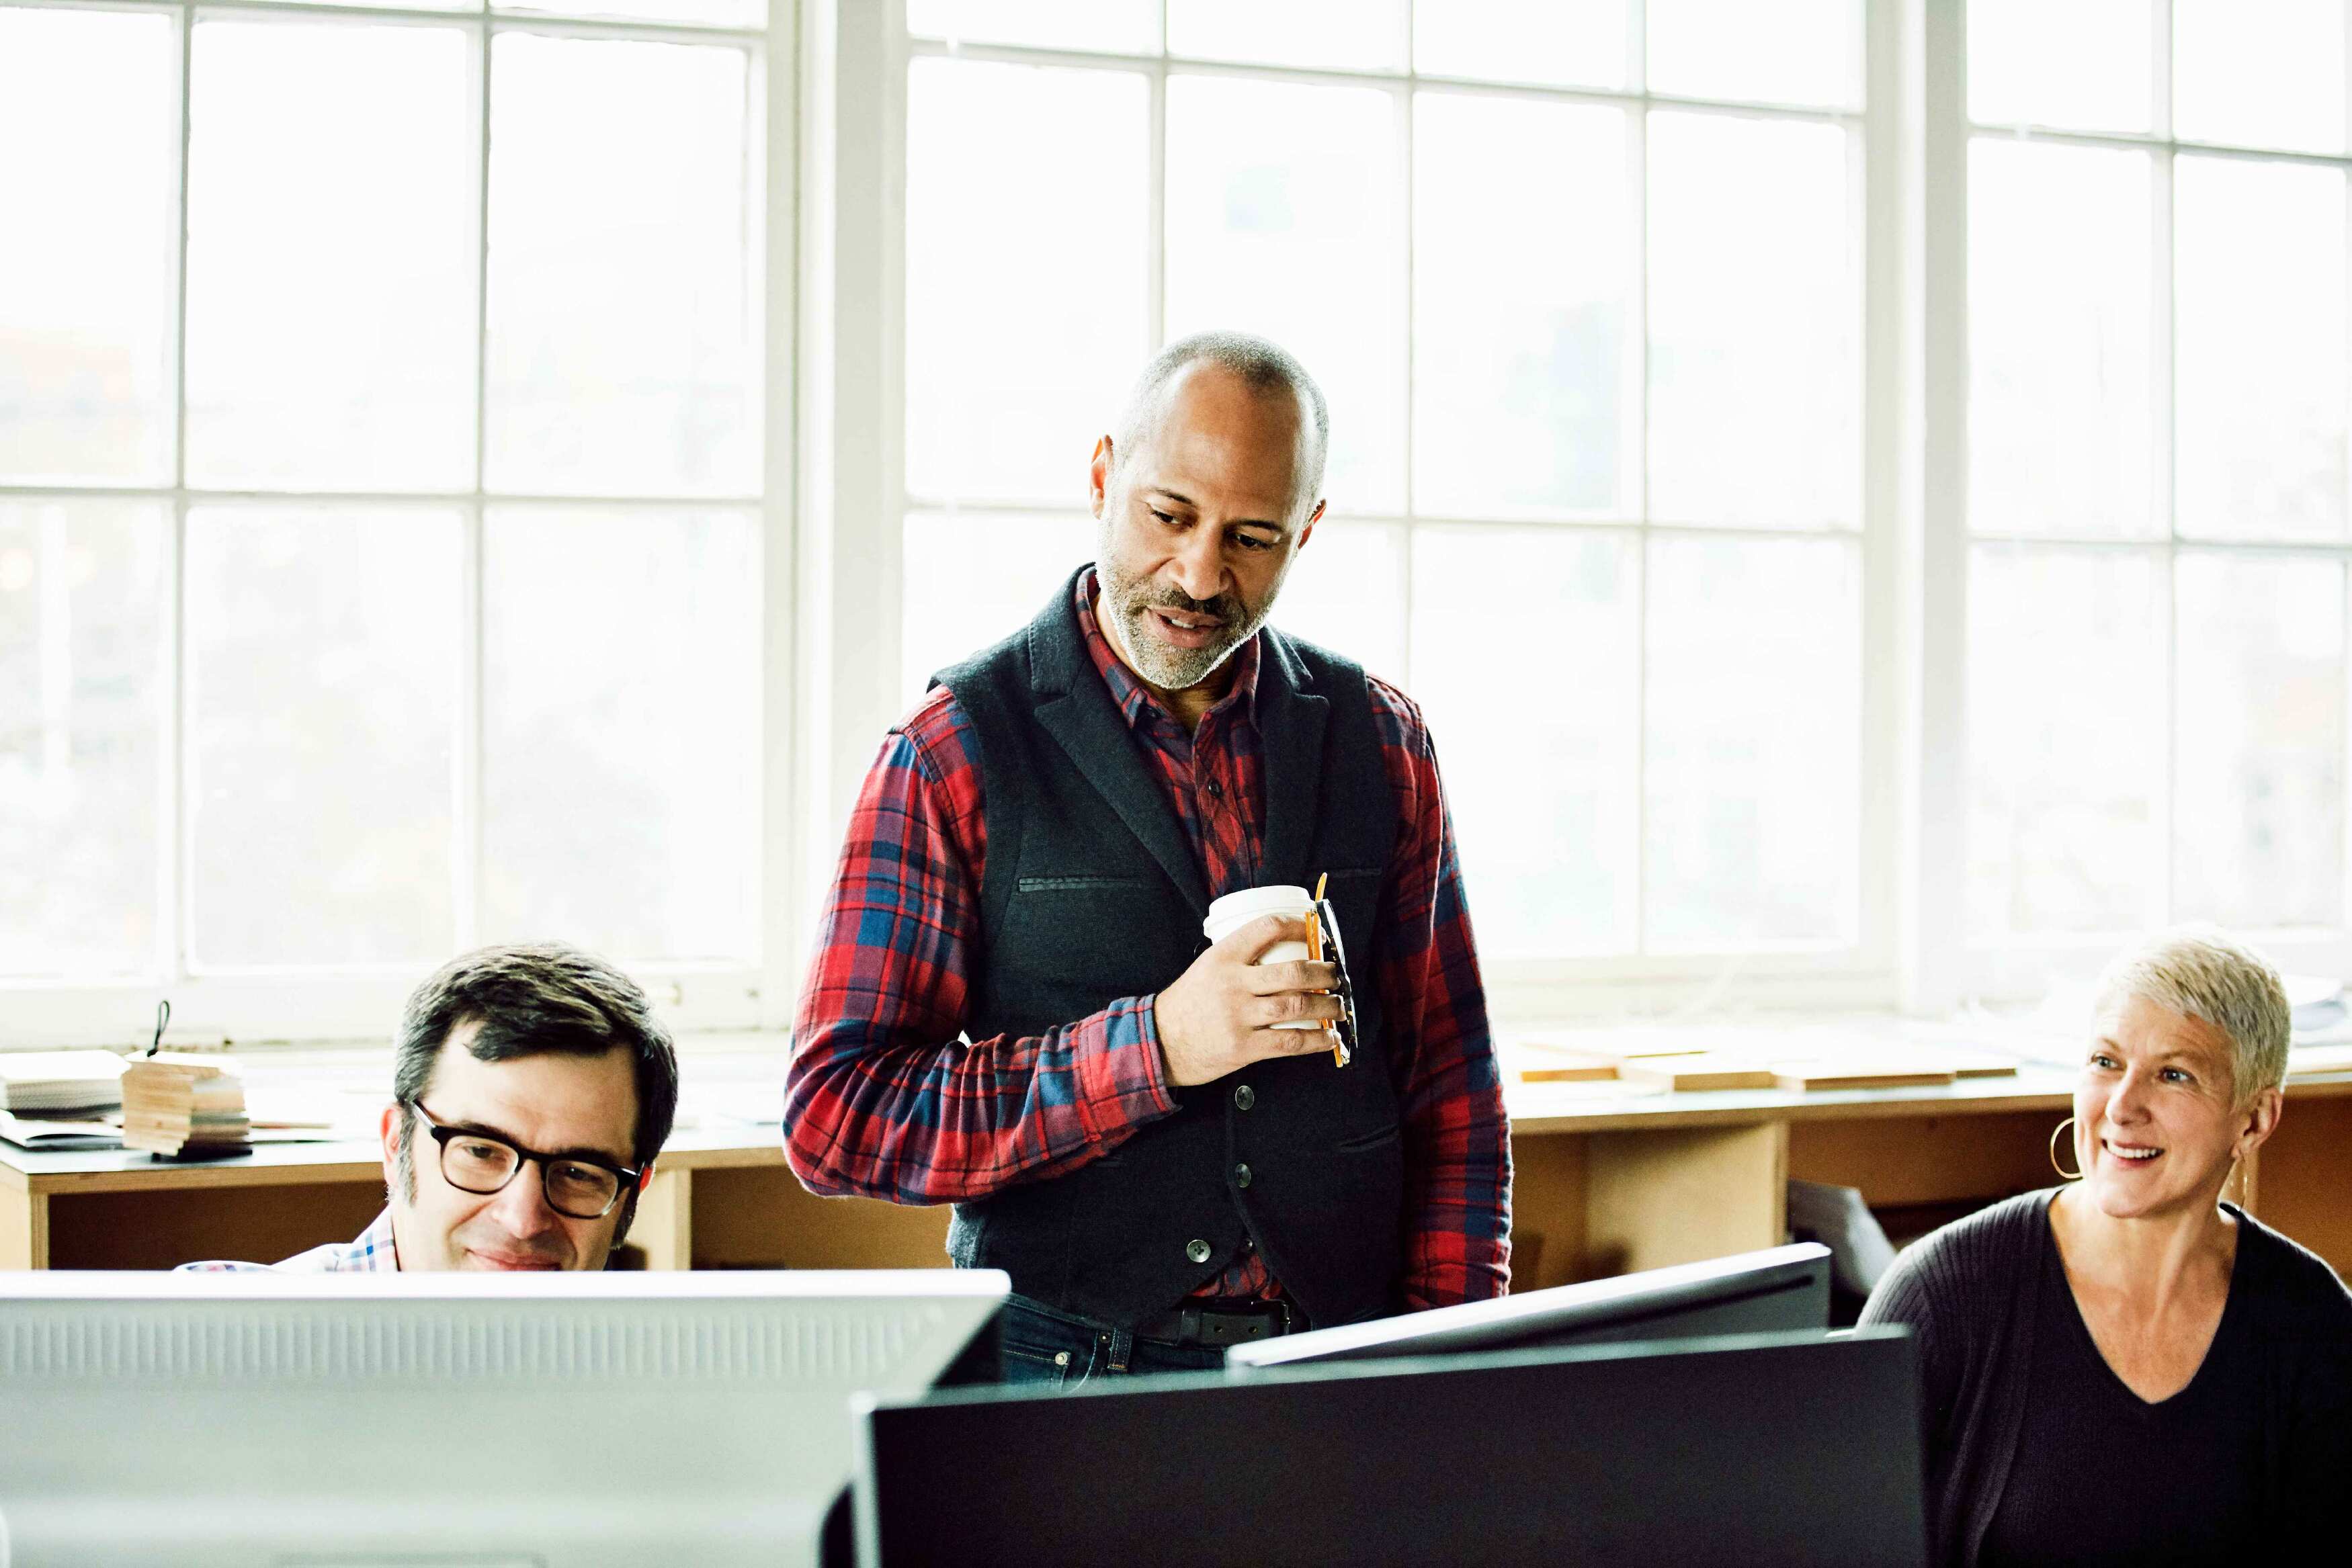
(1756, 1452)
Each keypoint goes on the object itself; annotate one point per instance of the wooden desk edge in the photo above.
(1660, 1112)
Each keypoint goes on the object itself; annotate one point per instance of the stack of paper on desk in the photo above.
(175, 1103)
(57, 1135)
(60, 1081)
(1539, 1060)
(1863, 1072)
(1697, 1070)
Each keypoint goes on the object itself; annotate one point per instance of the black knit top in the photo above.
(2037, 1453)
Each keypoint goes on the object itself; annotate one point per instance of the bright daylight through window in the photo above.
(380, 488)
(396, 547)
(1592, 346)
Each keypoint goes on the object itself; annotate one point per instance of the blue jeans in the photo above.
(1057, 1349)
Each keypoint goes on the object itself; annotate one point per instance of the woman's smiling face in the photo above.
(2157, 1119)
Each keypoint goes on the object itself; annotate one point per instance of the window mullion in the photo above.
(1883, 421)
(1933, 580)
(1155, 265)
(172, 881)
(466, 756)
(1637, 153)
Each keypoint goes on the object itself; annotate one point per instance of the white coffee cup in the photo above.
(1235, 909)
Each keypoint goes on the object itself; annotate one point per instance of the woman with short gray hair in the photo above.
(2124, 1368)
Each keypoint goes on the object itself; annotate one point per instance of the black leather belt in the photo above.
(1218, 1325)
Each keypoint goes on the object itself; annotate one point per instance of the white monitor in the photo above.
(562, 1421)
(1781, 1290)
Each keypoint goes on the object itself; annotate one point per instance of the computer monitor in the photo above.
(601, 1420)
(1754, 1450)
(1779, 1289)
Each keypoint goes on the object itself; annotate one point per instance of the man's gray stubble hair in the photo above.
(1262, 366)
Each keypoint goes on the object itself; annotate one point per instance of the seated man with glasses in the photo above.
(532, 1089)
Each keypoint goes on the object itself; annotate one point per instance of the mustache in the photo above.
(1224, 607)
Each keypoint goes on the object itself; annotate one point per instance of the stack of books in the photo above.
(60, 1083)
(175, 1104)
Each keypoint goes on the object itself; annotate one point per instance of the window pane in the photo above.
(323, 649)
(1542, 793)
(709, 13)
(2061, 391)
(645, 746)
(2259, 76)
(2258, 822)
(85, 314)
(1790, 51)
(622, 333)
(973, 578)
(1284, 218)
(2087, 64)
(1520, 280)
(1124, 26)
(1347, 592)
(1755, 313)
(331, 273)
(2066, 737)
(1025, 305)
(1755, 734)
(1522, 40)
(82, 623)
(2258, 352)
(1360, 35)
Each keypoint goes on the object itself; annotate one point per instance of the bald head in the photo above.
(1265, 369)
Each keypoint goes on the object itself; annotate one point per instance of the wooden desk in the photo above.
(1606, 1182)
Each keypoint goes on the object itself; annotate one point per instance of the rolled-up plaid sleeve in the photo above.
(883, 1097)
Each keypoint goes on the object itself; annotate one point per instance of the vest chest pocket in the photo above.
(1080, 883)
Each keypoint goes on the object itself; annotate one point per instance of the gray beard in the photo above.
(1173, 669)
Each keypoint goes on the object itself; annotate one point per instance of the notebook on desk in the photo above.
(57, 1135)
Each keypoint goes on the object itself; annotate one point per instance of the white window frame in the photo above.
(831, 78)
(362, 1003)
(2026, 967)
(870, 463)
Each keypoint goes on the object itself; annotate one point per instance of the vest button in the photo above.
(1197, 1250)
(1243, 1096)
(1241, 1175)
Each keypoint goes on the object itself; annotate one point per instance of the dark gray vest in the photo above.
(1090, 893)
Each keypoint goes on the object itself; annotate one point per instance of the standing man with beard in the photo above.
(1012, 1008)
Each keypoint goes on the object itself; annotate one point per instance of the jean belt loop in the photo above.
(1122, 1349)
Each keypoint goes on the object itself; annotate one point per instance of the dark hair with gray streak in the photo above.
(530, 1000)
(1262, 366)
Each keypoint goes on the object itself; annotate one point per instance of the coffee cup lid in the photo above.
(1237, 909)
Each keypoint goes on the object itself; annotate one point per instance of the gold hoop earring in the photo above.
(2063, 1174)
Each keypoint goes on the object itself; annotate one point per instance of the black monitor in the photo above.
(1781, 1290)
(1754, 1450)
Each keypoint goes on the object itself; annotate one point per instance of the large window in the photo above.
(2158, 473)
(381, 476)
(1584, 286)
(1863, 488)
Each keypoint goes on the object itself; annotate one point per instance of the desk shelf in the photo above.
(1605, 1182)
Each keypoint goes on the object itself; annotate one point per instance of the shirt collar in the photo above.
(372, 1252)
(1134, 698)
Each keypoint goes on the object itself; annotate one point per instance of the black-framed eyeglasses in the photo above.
(579, 1186)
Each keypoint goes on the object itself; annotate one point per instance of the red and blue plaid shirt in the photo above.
(883, 1099)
